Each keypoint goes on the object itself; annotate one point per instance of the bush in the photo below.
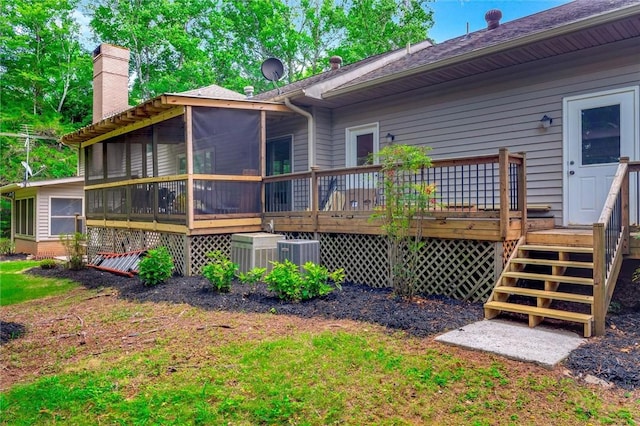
(6, 246)
(220, 272)
(156, 267)
(286, 280)
(253, 276)
(74, 245)
(48, 264)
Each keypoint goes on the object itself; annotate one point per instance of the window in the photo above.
(362, 145)
(25, 217)
(63, 215)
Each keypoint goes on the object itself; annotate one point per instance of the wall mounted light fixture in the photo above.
(390, 138)
(546, 121)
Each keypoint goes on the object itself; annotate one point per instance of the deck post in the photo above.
(624, 198)
(313, 193)
(503, 167)
(522, 193)
(599, 279)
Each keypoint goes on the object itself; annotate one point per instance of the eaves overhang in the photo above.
(498, 48)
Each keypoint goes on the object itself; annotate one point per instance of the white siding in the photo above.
(324, 140)
(479, 115)
(43, 202)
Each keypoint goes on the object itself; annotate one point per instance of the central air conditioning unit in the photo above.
(255, 250)
(299, 251)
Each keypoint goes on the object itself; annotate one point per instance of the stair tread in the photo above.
(556, 295)
(542, 312)
(551, 262)
(567, 249)
(548, 277)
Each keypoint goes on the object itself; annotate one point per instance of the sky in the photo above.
(451, 16)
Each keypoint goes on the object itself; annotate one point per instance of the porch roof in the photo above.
(11, 187)
(153, 108)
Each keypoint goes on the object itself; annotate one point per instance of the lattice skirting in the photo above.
(460, 269)
(123, 240)
(200, 245)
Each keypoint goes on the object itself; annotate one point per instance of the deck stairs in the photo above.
(549, 275)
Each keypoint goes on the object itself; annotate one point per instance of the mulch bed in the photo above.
(613, 357)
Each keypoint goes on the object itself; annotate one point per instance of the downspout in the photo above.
(310, 130)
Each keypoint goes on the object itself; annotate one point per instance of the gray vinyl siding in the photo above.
(43, 204)
(296, 126)
(479, 115)
(324, 140)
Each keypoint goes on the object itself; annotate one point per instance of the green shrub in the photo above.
(155, 267)
(75, 246)
(48, 264)
(253, 276)
(286, 280)
(6, 246)
(220, 272)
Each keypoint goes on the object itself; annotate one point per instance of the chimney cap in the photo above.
(493, 17)
(248, 91)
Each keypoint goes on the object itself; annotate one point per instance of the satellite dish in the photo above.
(27, 168)
(272, 69)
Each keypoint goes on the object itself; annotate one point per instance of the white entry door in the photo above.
(600, 128)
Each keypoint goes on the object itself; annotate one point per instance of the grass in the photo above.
(16, 287)
(175, 364)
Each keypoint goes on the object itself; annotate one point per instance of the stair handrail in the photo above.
(610, 237)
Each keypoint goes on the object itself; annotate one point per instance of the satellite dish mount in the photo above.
(272, 69)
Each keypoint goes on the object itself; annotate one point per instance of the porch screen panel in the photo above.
(171, 146)
(226, 141)
(94, 158)
(116, 158)
(141, 142)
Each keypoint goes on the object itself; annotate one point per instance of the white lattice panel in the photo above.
(200, 245)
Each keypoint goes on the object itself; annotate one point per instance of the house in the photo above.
(534, 126)
(42, 211)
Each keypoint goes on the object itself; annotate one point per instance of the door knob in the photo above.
(571, 172)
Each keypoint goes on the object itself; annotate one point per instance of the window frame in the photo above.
(52, 217)
(17, 222)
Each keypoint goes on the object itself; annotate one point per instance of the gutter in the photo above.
(554, 32)
(310, 131)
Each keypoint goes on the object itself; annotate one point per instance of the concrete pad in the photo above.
(541, 345)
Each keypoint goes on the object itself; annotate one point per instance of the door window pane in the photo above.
(364, 149)
(601, 135)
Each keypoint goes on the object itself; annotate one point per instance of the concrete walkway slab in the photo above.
(541, 345)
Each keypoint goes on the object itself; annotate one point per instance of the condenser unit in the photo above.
(299, 251)
(254, 250)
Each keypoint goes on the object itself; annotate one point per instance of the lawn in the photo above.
(16, 287)
(89, 357)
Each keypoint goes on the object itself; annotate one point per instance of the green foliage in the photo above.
(156, 267)
(48, 264)
(286, 280)
(7, 246)
(407, 202)
(75, 247)
(5, 218)
(253, 276)
(220, 272)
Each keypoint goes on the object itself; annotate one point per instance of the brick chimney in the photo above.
(110, 80)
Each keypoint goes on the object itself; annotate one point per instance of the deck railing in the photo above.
(147, 200)
(610, 242)
(491, 186)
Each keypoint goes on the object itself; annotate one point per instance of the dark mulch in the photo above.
(613, 357)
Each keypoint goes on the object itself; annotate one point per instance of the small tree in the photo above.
(407, 199)
(75, 247)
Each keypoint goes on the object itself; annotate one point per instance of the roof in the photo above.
(574, 26)
(215, 92)
(11, 187)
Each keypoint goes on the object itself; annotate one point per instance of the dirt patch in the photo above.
(613, 357)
